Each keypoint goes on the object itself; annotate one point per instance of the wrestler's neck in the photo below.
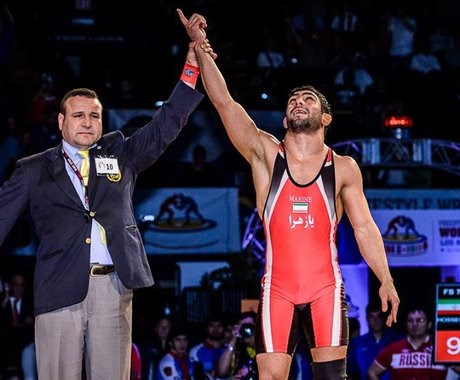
(305, 145)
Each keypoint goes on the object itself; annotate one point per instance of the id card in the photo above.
(106, 165)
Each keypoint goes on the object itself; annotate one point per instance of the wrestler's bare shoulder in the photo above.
(346, 166)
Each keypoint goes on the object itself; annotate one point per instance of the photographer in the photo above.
(237, 362)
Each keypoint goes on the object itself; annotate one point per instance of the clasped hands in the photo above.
(195, 27)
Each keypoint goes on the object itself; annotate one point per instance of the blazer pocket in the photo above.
(51, 254)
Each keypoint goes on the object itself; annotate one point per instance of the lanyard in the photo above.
(80, 177)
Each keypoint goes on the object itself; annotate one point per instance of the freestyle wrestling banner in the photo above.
(188, 220)
(419, 227)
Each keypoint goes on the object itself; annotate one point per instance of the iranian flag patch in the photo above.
(300, 208)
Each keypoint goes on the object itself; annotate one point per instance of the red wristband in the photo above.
(190, 74)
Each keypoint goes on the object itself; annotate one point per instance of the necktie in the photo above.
(14, 312)
(84, 171)
(84, 167)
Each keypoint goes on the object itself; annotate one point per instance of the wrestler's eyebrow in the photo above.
(304, 94)
(311, 94)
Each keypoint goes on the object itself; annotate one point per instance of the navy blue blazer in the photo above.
(62, 224)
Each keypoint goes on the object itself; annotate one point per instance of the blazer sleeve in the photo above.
(14, 198)
(145, 146)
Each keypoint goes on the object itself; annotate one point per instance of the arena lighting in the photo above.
(399, 121)
(264, 96)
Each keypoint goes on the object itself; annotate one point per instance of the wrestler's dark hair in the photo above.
(84, 92)
(325, 105)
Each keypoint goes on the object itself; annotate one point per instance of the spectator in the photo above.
(44, 98)
(176, 364)
(411, 357)
(270, 58)
(364, 348)
(199, 173)
(136, 363)
(208, 352)
(16, 320)
(153, 348)
(238, 359)
(424, 61)
(345, 20)
(28, 362)
(127, 94)
(361, 77)
(401, 29)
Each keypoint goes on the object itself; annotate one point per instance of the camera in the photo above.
(247, 330)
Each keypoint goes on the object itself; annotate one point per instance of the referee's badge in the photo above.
(108, 166)
(114, 177)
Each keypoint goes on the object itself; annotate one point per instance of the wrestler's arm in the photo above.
(241, 129)
(247, 138)
(259, 148)
(366, 232)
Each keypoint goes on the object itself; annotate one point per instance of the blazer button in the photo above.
(88, 240)
(92, 214)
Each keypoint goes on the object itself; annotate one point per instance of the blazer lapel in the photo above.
(58, 172)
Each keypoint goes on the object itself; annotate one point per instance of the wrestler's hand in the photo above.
(194, 26)
(195, 29)
(389, 295)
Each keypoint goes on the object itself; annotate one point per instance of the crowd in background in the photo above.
(221, 345)
(372, 60)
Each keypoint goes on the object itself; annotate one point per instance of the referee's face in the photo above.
(81, 126)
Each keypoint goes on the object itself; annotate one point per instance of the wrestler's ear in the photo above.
(285, 123)
(326, 119)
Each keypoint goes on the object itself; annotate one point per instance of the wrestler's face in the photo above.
(303, 112)
(81, 125)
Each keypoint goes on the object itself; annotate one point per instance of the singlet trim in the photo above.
(317, 174)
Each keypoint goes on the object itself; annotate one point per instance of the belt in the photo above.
(100, 270)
